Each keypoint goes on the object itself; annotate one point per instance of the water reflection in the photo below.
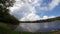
(50, 26)
(38, 27)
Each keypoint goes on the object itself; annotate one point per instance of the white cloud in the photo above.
(31, 17)
(46, 17)
(21, 9)
(32, 1)
(52, 16)
(50, 6)
(54, 3)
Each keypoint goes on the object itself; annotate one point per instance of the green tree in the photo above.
(4, 12)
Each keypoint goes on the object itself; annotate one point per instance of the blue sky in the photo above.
(53, 12)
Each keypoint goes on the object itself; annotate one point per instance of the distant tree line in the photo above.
(43, 21)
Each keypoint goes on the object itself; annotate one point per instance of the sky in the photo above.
(30, 10)
(35, 9)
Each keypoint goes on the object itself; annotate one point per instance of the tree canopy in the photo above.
(4, 12)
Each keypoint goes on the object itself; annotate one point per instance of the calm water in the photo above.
(38, 27)
(49, 26)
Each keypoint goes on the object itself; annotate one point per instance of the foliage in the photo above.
(6, 3)
(4, 12)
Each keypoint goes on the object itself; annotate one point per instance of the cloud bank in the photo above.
(31, 17)
(22, 8)
(25, 10)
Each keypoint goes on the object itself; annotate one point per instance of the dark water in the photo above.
(49, 26)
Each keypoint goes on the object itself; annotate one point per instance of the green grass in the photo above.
(5, 29)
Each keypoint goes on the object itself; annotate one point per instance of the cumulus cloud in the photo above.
(31, 17)
(54, 3)
(46, 17)
(22, 9)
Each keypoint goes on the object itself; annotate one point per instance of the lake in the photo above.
(39, 27)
